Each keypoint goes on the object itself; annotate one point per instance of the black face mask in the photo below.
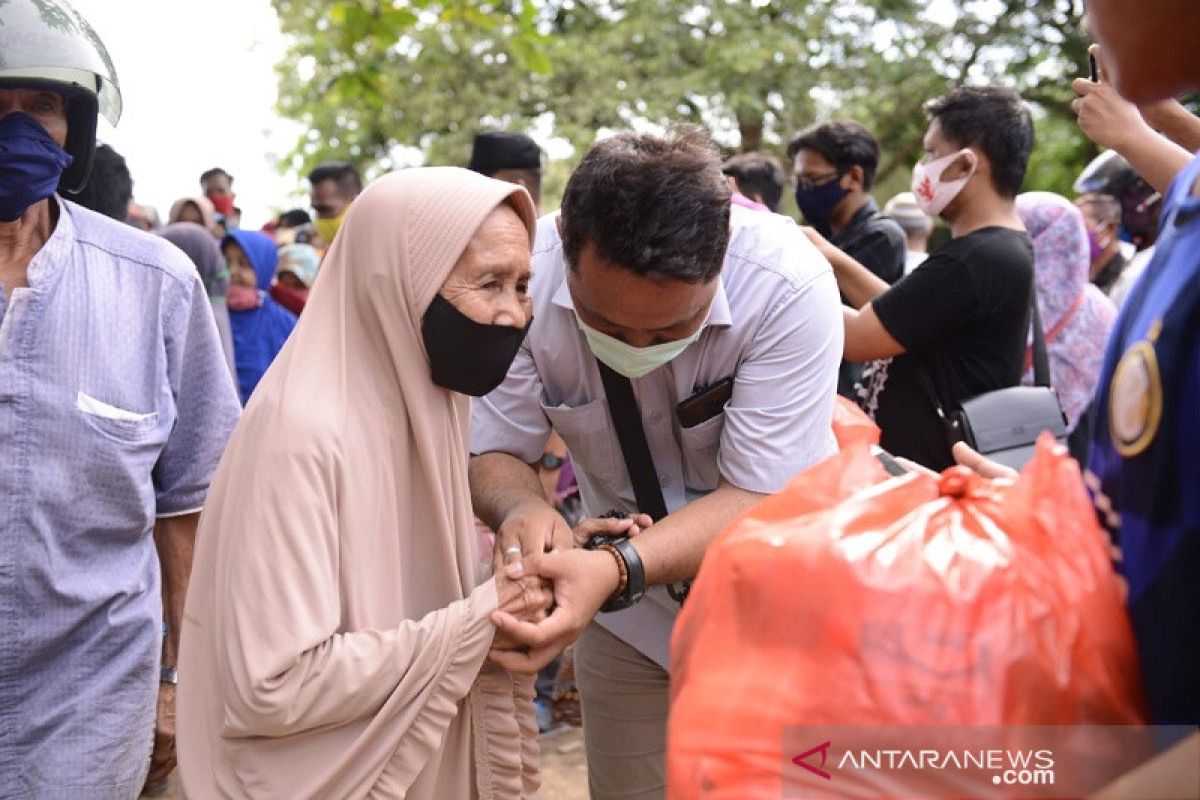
(464, 355)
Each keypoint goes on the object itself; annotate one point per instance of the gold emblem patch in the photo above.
(1135, 398)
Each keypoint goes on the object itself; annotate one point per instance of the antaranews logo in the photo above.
(823, 749)
(931, 762)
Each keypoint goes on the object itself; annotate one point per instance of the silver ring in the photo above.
(514, 550)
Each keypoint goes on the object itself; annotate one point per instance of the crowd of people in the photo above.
(307, 508)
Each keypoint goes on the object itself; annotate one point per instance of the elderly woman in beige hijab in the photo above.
(337, 623)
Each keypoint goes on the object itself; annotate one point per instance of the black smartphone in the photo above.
(1093, 69)
(705, 404)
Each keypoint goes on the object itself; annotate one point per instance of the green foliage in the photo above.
(386, 83)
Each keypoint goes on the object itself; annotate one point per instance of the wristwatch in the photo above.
(168, 675)
(632, 587)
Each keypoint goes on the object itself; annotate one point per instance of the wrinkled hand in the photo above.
(583, 580)
(982, 465)
(534, 527)
(630, 526)
(162, 760)
(527, 598)
(1105, 117)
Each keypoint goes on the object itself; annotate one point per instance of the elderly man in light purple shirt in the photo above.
(115, 405)
(719, 329)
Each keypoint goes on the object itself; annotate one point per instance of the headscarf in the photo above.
(207, 212)
(258, 333)
(337, 627)
(1076, 316)
(200, 246)
(302, 260)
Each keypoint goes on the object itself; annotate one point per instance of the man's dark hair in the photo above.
(208, 174)
(294, 218)
(844, 144)
(340, 172)
(109, 187)
(994, 119)
(657, 206)
(758, 174)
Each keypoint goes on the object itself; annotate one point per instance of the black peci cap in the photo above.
(497, 150)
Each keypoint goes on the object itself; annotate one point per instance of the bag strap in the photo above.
(627, 420)
(1041, 360)
(1053, 334)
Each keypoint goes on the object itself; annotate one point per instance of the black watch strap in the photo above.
(635, 581)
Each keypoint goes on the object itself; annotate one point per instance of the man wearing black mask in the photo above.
(835, 164)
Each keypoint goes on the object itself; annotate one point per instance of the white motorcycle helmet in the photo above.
(46, 44)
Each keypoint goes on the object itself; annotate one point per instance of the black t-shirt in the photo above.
(964, 314)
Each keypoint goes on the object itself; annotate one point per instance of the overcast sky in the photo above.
(199, 87)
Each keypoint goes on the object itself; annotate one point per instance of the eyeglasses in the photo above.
(810, 182)
(551, 462)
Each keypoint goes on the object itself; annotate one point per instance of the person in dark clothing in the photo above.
(835, 164)
(956, 327)
(109, 188)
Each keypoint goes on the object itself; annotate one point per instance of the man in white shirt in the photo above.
(648, 285)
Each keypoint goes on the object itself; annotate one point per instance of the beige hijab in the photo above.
(334, 640)
(205, 206)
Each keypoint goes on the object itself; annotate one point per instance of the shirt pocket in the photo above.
(700, 446)
(587, 431)
(116, 422)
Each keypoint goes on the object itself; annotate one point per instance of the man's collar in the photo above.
(719, 315)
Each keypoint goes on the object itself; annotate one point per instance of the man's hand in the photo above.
(629, 526)
(1105, 117)
(162, 760)
(982, 465)
(534, 527)
(583, 580)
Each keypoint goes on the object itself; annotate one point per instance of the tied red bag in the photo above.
(852, 598)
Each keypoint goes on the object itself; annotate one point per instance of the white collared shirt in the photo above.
(775, 327)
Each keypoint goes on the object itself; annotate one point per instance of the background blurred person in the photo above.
(334, 186)
(758, 177)
(199, 245)
(1102, 215)
(197, 210)
(109, 188)
(1076, 316)
(294, 276)
(259, 325)
(509, 156)
(916, 224)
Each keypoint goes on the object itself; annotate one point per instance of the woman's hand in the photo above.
(525, 597)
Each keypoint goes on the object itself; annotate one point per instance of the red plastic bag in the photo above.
(852, 598)
(851, 424)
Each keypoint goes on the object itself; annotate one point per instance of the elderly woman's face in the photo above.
(490, 281)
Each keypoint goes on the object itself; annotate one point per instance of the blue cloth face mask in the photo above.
(30, 164)
(817, 203)
(633, 362)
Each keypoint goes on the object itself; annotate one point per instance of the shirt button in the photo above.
(663, 480)
(656, 418)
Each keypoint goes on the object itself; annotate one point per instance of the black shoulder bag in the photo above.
(627, 420)
(1004, 424)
